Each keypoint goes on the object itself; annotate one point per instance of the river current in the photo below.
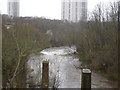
(64, 71)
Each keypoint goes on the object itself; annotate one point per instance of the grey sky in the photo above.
(45, 8)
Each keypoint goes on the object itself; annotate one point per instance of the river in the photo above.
(63, 69)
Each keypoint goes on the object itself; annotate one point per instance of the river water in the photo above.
(63, 69)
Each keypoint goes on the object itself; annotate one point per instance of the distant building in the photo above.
(13, 8)
(74, 10)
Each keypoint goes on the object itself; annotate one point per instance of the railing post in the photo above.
(45, 74)
(86, 79)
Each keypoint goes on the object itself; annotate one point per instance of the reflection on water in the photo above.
(63, 71)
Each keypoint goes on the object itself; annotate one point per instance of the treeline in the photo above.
(96, 41)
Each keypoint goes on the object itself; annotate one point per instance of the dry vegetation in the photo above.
(96, 40)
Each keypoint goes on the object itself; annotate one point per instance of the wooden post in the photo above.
(45, 74)
(86, 79)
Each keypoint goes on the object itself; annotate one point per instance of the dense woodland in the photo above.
(96, 41)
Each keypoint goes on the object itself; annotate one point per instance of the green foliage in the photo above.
(82, 60)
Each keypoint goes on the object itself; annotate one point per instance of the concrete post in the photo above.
(86, 79)
(45, 74)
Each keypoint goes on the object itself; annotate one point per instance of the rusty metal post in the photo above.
(45, 74)
(86, 79)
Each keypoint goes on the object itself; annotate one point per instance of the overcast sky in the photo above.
(44, 8)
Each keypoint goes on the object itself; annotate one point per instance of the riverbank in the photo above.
(63, 67)
(100, 74)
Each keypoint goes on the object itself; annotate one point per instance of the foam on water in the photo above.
(60, 50)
